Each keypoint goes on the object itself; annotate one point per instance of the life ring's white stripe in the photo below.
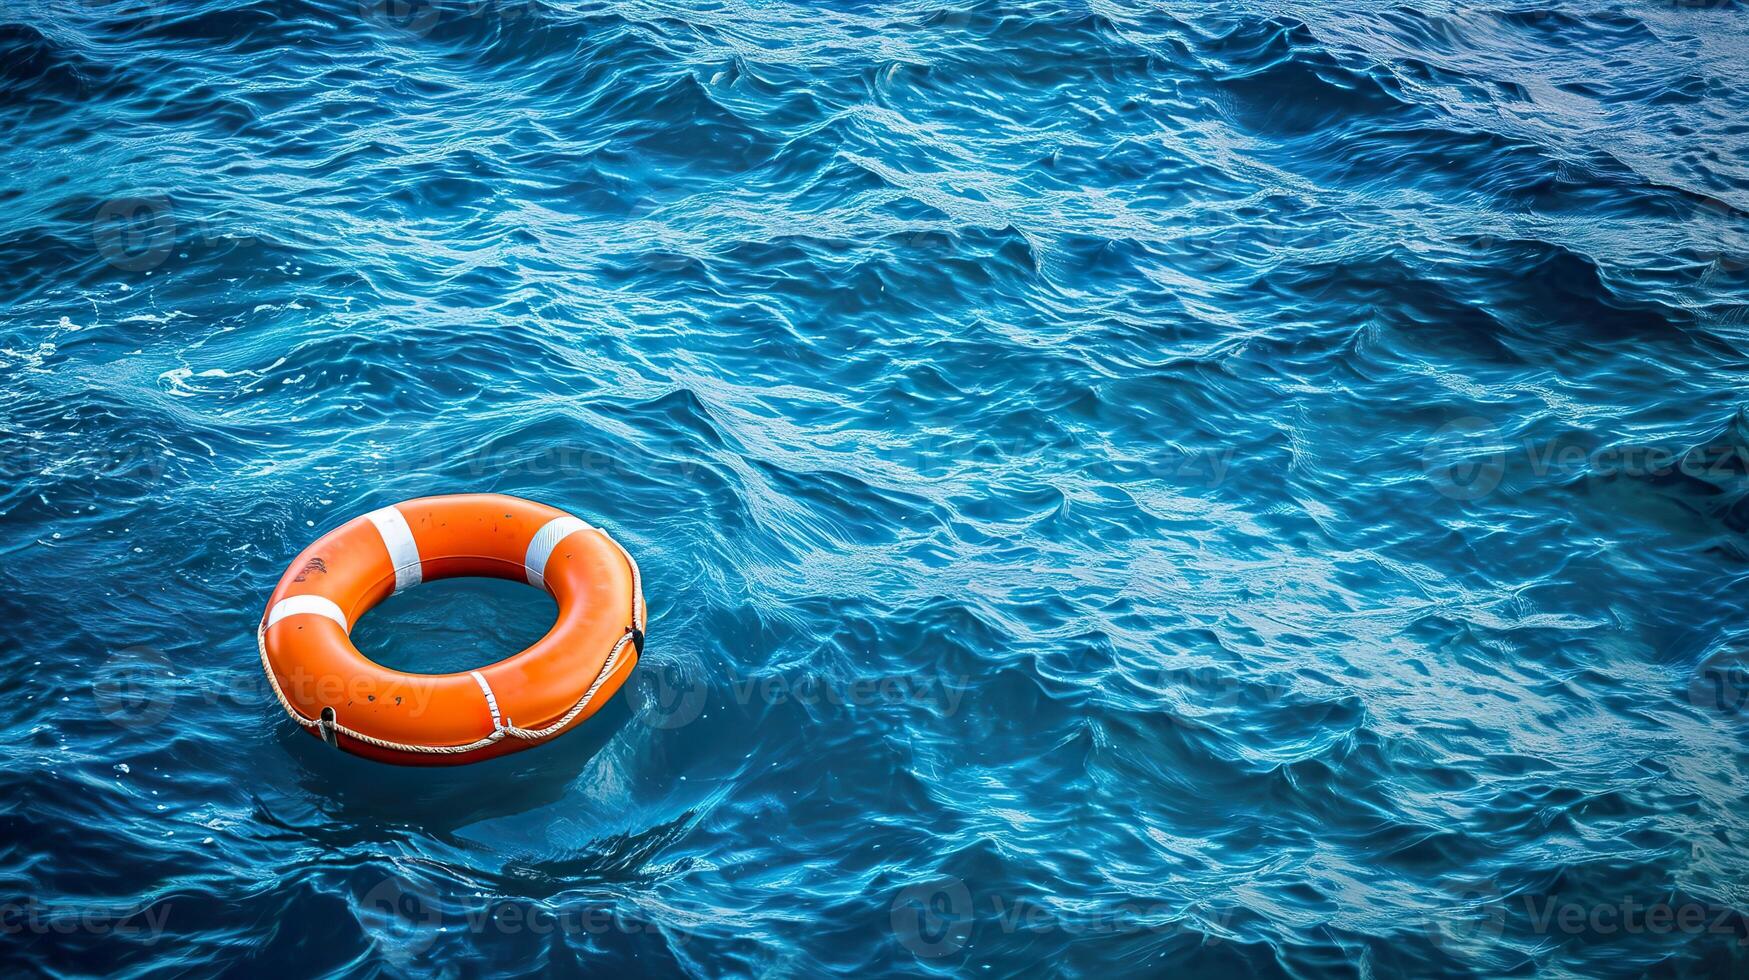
(313, 605)
(491, 699)
(403, 552)
(545, 540)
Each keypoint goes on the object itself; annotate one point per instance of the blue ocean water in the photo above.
(1186, 489)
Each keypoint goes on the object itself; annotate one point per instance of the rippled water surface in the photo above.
(1198, 489)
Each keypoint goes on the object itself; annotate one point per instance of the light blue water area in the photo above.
(1173, 488)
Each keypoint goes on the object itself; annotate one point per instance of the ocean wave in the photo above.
(1139, 488)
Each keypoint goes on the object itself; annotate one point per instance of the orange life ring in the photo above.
(330, 688)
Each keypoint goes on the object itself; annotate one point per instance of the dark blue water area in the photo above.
(1182, 489)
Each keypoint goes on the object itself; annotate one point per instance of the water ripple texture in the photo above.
(1182, 489)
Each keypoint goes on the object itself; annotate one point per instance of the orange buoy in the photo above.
(332, 690)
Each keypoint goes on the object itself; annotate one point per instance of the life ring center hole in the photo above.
(454, 624)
